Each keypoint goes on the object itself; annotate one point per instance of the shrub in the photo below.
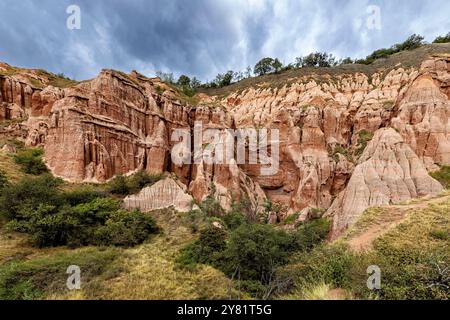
(407, 273)
(329, 264)
(207, 249)
(310, 234)
(125, 228)
(30, 161)
(142, 179)
(37, 207)
(3, 180)
(234, 220)
(29, 194)
(442, 39)
(364, 137)
(413, 42)
(122, 185)
(118, 185)
(211, 207)
(82, 195)
(256, 250)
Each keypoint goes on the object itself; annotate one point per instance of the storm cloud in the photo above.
(202, 37)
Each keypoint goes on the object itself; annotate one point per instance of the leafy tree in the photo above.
(442, 39)
(413, 42)
(346, 61)
(318, 60)
(184, 80)
(238, 76)
(248, 72)
(211, 207)
(264, 66)
(195, 83)
(277, 65)
(298, 62)
(256, 249)
(223, 80)
(31, 161)
(166, 77)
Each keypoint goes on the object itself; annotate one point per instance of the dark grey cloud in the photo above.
(202, 37)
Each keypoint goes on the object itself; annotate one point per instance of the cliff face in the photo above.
(118, 123)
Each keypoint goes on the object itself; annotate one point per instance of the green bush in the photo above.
(329, 264)
(234, 220)
(3, 180)
(442, 39)
(118, 185)
(207, 249)
(122, 185)
(30, 161)
(125, 228)
(364, 137)
(211, 207)
(29, 194)
(310, 234)
(38, 207)
(141, 179)
(413, 42)
(256, 250)
(406, 273)
(82, 195)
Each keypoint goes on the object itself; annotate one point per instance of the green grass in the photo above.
(38, 278)
(412, 257)
(364, 137)
(388, 105)
(443, 176)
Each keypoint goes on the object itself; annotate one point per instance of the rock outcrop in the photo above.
(166, 193)
(389, 172)
(424, 113)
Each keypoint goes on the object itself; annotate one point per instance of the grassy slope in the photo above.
(147, 271)
(404, 233)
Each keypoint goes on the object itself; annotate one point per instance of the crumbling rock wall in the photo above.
(118, 123)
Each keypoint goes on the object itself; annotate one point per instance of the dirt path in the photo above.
(393, 215)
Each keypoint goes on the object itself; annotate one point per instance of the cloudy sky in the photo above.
(204, 37)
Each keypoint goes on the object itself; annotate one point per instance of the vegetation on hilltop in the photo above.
(269, 65)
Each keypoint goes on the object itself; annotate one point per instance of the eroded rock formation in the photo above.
(165, 193)
(119, 123)
(388, 172)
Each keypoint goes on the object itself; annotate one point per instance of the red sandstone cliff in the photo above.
(118, 123)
